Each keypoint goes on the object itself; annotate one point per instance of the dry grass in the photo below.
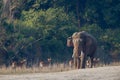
(114, 64)
(18, 70)
(53, 68)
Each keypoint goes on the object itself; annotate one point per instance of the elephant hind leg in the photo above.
(91, 62)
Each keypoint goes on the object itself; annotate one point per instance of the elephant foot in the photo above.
(78, 67)
(83, 67)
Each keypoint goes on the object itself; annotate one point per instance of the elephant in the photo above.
(84, 45)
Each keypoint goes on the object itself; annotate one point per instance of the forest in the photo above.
(38, 29)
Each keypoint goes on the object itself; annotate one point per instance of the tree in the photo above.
(49, 24)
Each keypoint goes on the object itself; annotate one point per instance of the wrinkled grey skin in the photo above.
(85, 45)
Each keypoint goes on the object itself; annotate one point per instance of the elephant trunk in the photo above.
(69, 42)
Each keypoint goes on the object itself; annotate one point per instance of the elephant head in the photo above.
(84, 45)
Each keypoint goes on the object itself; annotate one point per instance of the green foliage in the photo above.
(93, 29)
(1, 6)
(52, 25)
(41, 27)
(112, 37)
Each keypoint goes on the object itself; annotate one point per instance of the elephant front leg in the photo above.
(77, 63)
(83, 60)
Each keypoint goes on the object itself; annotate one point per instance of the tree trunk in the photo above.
(77, 11)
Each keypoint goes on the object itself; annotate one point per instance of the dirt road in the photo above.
(100, 73)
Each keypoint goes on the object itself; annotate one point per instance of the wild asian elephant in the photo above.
(85, 45)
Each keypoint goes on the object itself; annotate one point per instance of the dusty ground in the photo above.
(100, 73)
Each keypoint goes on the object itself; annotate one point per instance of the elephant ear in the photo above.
(82, 36)
(88, 41)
